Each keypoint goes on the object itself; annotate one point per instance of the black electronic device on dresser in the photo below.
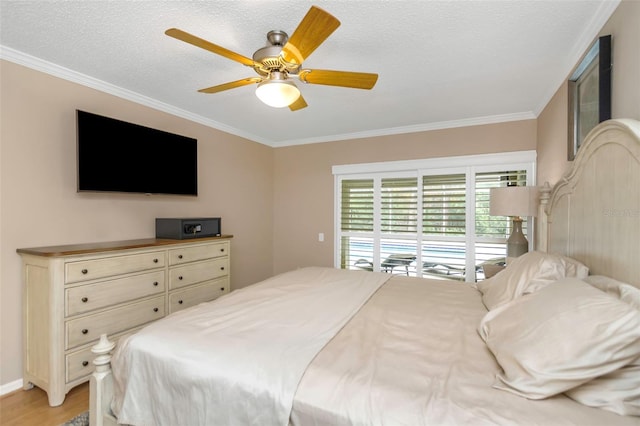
(185, 228)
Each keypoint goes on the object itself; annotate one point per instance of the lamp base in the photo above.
(517, 243)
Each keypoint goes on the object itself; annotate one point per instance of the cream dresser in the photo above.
(72, 294)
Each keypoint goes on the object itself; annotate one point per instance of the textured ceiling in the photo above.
(440, 63)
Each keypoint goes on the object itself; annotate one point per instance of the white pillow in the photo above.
(618, 391)
(525, 274)
(623, 291)
(560, 337)
(575, 268)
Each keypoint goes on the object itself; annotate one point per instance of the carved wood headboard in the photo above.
(593, 213)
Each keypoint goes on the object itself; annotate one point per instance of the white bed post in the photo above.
(543, 219)
(101, 384)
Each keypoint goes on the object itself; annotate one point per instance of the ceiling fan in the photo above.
(280, 62)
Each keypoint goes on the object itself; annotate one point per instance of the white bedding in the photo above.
(410, 356)
(237, 360)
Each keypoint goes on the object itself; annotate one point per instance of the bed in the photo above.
(538, 343)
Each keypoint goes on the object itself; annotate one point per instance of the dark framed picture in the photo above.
(589, 93)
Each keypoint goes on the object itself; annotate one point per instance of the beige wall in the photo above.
(624, 27)
(40, 205)
(303, 182)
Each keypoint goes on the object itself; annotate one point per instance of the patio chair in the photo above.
(443, 270)
(397, 260)
(459, 273)
(389, 264)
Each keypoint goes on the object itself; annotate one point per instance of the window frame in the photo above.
(470, 165)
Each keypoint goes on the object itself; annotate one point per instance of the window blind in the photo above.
(444, 204)
(357, 205)
(444, 226)
(399, 205)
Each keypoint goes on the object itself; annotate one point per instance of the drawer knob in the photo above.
(155, 260)
(85, 331)
(222, 268)
(155, 283)
(85, 271)
(155, 309)
(179, 256)
(222, 288)
(179, 302)
(85, 363)
(85, 299)
(180, 277)
(222, 250)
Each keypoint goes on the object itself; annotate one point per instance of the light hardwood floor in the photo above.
(31, 408)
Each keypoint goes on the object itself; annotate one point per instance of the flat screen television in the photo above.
(116, 156)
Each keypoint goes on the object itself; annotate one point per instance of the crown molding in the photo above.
(591, 31)
(55, 70)
(477, 121)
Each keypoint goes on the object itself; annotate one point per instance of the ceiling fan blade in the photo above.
(231, 85)
(356, 80)
(298, 104)
(207, 45)
(314, 28)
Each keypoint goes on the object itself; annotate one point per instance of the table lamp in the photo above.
(517, 202)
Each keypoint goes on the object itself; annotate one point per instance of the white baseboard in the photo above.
(10, 387)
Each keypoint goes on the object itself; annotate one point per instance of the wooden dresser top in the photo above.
(88, 248)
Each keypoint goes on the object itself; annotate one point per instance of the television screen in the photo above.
(117, 156)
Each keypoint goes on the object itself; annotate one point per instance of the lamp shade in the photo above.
(277, 93)
(514, 201)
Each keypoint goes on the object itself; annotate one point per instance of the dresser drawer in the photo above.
(79, 364)
(191, 254)
(181, 276)
(107, 267)
(198, 294)
(106, 293)
(89, 328)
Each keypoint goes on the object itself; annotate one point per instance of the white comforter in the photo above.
(237, 360)
(410, 356)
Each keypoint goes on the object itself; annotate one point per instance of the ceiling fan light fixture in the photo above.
(277, 92)
(282, 59)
